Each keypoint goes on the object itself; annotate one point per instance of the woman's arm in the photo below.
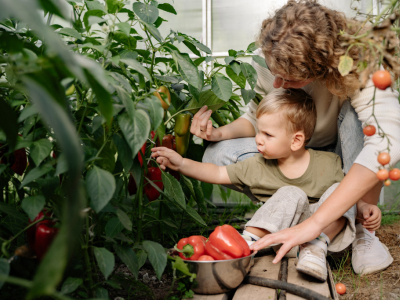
(355, 185)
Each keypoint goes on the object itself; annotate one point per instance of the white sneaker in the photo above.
(249, 240)
(369, 254)
(311, 260)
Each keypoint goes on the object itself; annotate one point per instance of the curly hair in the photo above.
(303, 39)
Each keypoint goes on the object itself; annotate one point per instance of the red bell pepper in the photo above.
(43, 239)
(192, 248)
(40, 237)
(226, 243)
(17, 160)
(154, 174)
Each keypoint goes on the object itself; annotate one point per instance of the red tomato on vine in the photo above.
(394, 174)
(384, 158)
(369, 130)
(382, 79)
(382, 174)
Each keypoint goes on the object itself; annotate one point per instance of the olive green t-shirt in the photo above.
(264, 178)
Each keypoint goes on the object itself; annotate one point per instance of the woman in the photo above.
(301, 45)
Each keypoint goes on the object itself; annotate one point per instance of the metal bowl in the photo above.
(220, 276)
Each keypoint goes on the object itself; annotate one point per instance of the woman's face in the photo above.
(286, 82)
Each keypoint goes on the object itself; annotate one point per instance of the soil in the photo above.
(384, 285)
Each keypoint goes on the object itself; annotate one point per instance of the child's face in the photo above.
(273, 139)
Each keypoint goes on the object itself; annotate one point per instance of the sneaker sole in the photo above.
(379, 268)
(311, 271)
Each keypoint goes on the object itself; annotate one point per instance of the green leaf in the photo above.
(252, 47)
(157, 256)
(40, 150)
(125, 27)
(345, 65)
(2, 168)
(8, 123)
(27, 112)
(70, 285)
(235, 66)
(206, 98)
(142, 257)
(136, 129)
(56, 7)
(124, 218)
(101, 293)
(62, 165)
(114, 5)
(247, 95)
(221, 86)
(36, 173)
(191, 212)
(11, 211)
(192, 47)
(180, 265)
(129, 258)
(124, 152)
(100, 186)
(229, 59)
(95, 5)
(103, 97)
(70, 32)
(154, 31)
(167, 7)
(145, 12)
(260, 60)
(240, 80)
(170, 79)
(113, 227)
(137, 66)
(250, 73)
(153, 106)
(92, 17)
(33, 205)
(186, 68)
(202, 47)
(105, 260)
(4, 269)
(173, 189)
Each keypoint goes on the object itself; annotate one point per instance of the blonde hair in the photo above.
(295, 105)
(303, 39)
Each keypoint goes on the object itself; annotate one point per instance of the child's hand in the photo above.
(371, 215)
(167, 158)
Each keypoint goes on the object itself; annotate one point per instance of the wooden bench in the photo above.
(263, 267)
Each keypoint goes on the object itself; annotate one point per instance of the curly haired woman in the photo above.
(302, 46)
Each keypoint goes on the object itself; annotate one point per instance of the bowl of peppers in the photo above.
(220, 262)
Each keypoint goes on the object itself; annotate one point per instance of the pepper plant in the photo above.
(81, 103)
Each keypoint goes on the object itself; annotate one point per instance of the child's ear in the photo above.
(298, 140)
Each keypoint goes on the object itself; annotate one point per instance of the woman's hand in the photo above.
(167, 158)
(290, 237)
(202, 126)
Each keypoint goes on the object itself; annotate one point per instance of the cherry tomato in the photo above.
(382, 174)
(205, 258)
(382, 79)
(387, 182)
(394, 174)
(369, 130)
(340, 288)
(383, 158)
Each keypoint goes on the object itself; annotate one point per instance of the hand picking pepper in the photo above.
(192, 248)
(226, 243)
(143, 149)
(154, 174)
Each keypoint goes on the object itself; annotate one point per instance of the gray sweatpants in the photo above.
(289, 206)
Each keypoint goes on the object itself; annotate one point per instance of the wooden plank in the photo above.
(211, 297)
(331, 284)
(305, 281)
(263, 267)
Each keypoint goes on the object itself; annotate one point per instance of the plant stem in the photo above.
(87, 259)
(140, 207)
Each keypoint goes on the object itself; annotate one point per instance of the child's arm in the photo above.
(206, 172)
(370, 215)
